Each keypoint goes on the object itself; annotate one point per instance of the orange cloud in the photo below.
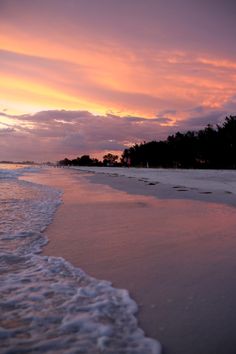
(108, 76)
(227, 64)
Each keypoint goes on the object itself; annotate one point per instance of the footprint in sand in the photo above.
(205, 192)
(142, 204)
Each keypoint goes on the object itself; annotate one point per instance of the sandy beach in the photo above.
(167, 237)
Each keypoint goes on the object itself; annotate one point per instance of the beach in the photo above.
(168, 237)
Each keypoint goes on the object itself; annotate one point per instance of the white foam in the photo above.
(12, 171)
(59, 304)
(46, 304)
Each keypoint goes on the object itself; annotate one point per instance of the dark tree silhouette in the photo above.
(84, 160)
(212, 147)
(65, 162)
(110, 159)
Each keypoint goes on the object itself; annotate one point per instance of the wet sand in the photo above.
(173, 249)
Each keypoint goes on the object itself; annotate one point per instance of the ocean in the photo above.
(46, 304)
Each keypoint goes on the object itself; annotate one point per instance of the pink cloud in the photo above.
(52, 135)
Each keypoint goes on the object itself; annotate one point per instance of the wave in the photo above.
(47, 305)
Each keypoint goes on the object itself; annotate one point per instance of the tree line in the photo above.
(211, 147)
(86, 160)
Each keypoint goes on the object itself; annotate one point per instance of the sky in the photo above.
(90, 77)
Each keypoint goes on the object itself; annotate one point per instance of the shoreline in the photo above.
(180, 281)
(216, 186)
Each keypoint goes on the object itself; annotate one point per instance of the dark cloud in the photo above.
(230, 105)
(200, 116)
(198, 109)
(163, 120)
(201, 121)
(52, 135)
(5, 131)
(167, 112)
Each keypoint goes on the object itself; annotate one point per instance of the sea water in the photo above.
(46, 304)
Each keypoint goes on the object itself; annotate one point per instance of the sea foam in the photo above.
(46, 304)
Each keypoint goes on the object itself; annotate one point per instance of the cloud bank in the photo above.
(54, 134)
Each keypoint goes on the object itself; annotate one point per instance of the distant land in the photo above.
(19, 162)
(26, 163)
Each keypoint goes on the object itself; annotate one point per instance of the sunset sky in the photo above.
(92, 76)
